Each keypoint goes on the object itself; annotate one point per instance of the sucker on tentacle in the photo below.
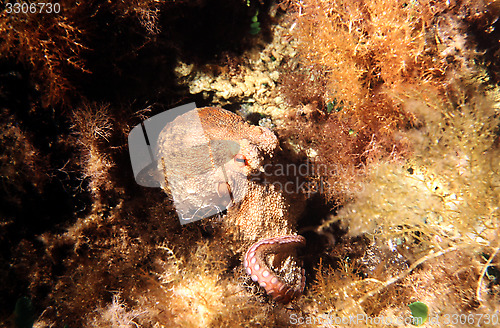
(256, 266)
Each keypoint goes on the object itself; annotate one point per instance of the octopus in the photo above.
(220, 162)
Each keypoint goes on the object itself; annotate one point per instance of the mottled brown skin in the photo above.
(264, 211)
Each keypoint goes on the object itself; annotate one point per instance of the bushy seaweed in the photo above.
(48, 44)
(438, 208)
(384, 98)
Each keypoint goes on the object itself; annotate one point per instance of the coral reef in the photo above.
(366, 46)
(438, 210)
(449, 186)
(390, 107)
(361, 56)
(250, 80)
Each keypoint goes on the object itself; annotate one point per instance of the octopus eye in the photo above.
(240, 160)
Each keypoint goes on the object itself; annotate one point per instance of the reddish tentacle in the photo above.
(260, 271)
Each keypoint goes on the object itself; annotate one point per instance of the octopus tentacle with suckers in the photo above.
(258, 269)
(260, 214)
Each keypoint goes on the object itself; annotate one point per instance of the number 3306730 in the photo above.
(33, 8)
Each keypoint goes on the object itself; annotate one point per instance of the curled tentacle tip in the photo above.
(259, 270)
